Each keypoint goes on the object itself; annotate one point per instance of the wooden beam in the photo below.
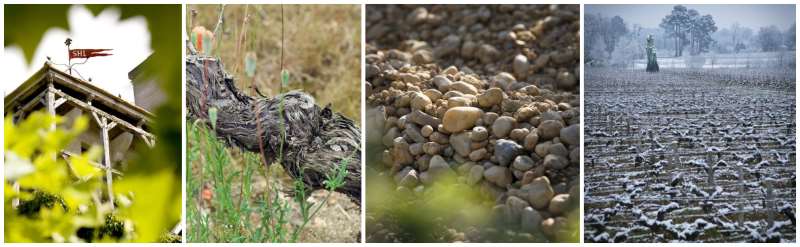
(23, 110)
(124, 124)
(59, 102)
(100, 95)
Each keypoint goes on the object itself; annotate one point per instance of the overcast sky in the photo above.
(752, 16)
(130, 40)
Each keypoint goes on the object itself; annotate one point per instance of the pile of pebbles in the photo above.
(487, 94)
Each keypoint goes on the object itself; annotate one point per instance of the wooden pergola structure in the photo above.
(61, 93)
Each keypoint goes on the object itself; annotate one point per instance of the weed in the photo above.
(238, 214)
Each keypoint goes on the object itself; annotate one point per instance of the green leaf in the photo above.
(81, 166)
(155, 209)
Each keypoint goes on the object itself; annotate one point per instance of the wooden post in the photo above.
(105, 126)
(51, 103)
(15, 201)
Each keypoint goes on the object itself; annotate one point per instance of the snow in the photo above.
(671, 131)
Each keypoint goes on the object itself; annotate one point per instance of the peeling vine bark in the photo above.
(316, 140)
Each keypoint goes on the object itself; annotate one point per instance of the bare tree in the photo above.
(613, 29)
(770, 38)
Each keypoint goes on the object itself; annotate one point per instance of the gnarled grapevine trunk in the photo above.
(316, 139)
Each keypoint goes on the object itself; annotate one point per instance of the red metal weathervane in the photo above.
(87, 53)
(83, 53)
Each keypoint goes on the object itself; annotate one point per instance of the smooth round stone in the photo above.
(489, 117)
(515, 206)
(531, 140)
(431, 148)
(524, 113)
(422, 57)
(409, 179)
(531, 220)
(464, 87)
(520, 65)
(549, 129)
(566, 80)
(531, 90)
(558, 204)
(448, 45)
(575, 155)
(490, 97)
(442, 83)
(553, 227)
(479, 133)
(570, 134)
(457, 119)
(556, 162)
(433, 94)
(439, 167)
(551, 115)
(519, 134)
(400, 152)
(415, 149)
(558, 149)
(528, 177)
(539, 192)
(426, 130)
(419, 101)
(452, 70)
(499, 175)
(505, 151)
(463, 169)
(487, 53)
(523, 163)
(457, 101)
(475, 175)
(502, 126)
(461, 143)
(543, 148)
(388, 138)
(478, 154)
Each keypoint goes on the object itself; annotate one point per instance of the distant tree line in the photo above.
(610, 40)
(607, 30)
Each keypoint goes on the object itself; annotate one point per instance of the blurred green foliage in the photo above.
(55, 201)
(445, 207)
(153, 180)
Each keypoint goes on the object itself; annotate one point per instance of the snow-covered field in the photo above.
(689, 155)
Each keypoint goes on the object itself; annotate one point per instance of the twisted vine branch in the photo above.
(316, 139)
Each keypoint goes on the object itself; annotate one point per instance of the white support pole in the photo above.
(15, 201)
(104, 128)
(51, 104)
